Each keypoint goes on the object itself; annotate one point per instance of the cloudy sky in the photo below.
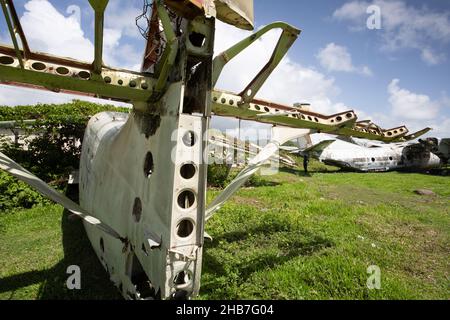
(398, 74)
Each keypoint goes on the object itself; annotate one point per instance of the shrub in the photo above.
(17, 194)
(52, 152)
(218, 175)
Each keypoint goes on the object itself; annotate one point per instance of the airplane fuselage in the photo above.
(380, 159)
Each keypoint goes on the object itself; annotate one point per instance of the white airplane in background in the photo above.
(366, 156)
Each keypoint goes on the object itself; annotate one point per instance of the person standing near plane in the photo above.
(305, 163)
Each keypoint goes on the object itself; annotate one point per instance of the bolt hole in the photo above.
(185, 228)
(187, 171)
(137, 210)
(186, 199)
(149, 165)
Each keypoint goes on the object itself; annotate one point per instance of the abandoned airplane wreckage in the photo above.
(144, 214)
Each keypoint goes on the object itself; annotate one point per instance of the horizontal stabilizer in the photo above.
(24, 175)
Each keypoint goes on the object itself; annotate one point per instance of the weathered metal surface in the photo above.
(287, 38)
(239, 13)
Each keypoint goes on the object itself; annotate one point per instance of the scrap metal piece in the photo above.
(99, 7)
(287, 38)
(238, 13)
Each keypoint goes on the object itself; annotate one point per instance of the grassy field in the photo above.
(291, 237)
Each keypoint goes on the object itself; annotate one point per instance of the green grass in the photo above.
(297, 237)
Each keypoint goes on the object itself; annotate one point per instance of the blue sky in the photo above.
(398, 74)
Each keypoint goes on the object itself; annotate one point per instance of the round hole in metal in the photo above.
(39, 66)
(187, 171)
(189, 139)
(185, 228)
(6, 60)
(62, 70)
(186, 199)
(84, 75)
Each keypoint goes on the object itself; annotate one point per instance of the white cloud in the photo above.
(430, 57)
(49, 31)
(120, 17)
(414, 110)
(288, 84)
(337, 58)
(410, 105)
(402, 26)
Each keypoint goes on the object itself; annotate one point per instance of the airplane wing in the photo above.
(319, 147)
(24, 175)
(417, 134)
(361, 143)
(289, 148)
